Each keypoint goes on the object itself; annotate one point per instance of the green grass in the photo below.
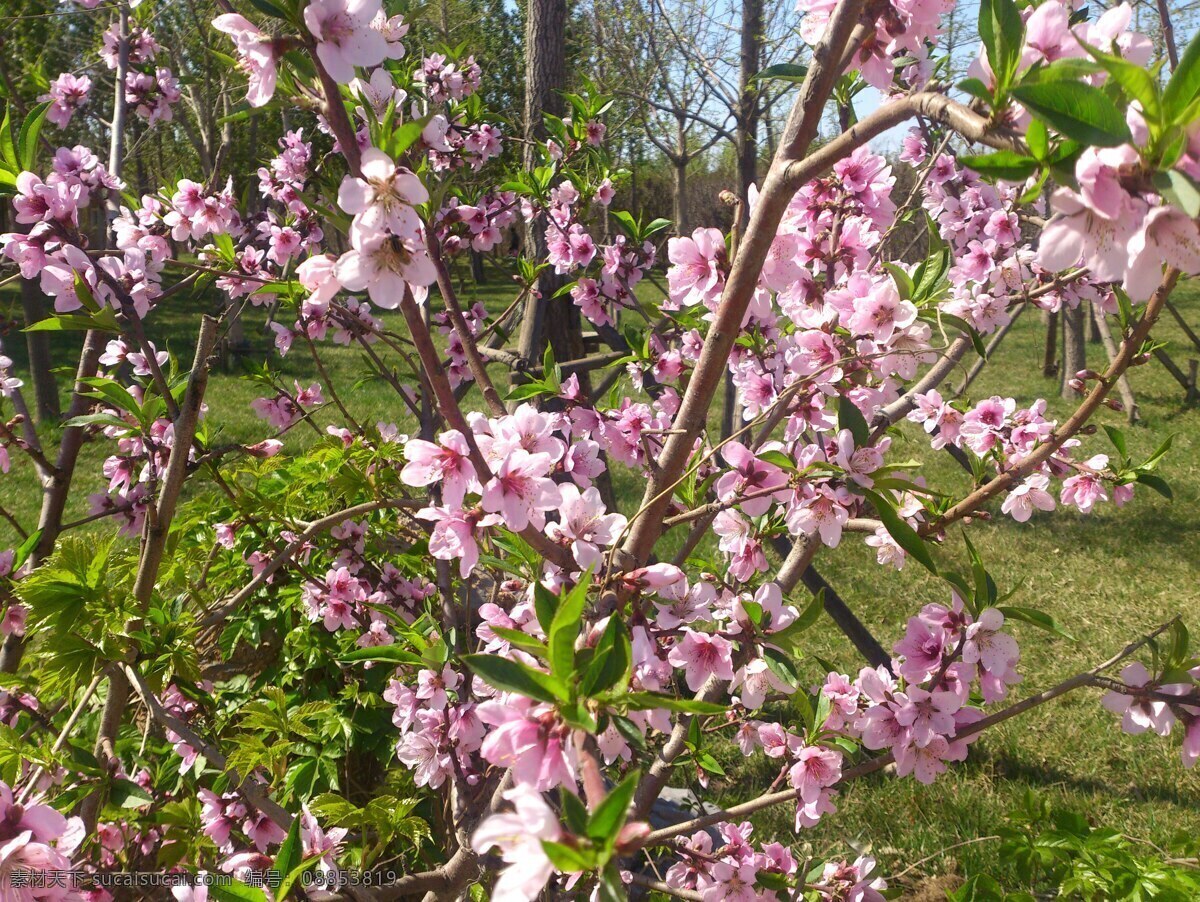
(1107, 578)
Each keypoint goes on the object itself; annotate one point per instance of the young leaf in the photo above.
(1003, 164)
(609, 816)
(1184, 85)
(793, 72)
(387, 654)
(564, 630)
(850, 417)
(291, 852)
(31, 129)
(8, 150)
(906, 537)
(567, 859)
(610, 661)
(1157, 483)
(545, 603)
(808, 617)
(647, 701)
(513, 676)
(1036, 618)
(1075, 110)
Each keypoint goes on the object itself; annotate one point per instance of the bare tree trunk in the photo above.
(56, 489)
(682, 227)
(747, 120)
(1074, 347)
(1050, 354)
(546, 318)
(45, 387)
(747, 152)
(1110, 348)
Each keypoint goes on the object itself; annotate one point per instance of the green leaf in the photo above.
(387, 654)
(1184, 85)
(1159, 453)
(1136, 81)
(269, 9)
(781, 665)
(793, 72)
(1157, 483)
(904, 282)
(25, 549)
(778, 459)
(1037, 618)
(104, 321)
(8, 150)
(1037, 139)
(1117, 437)
(645, 701)
(975, 88)
(513, 676)
(906, 537)
(575, 815)
(564, 630)
(807, 618)
(1002, 33)
(1003, 164)
(1179, 191)
(545, 603)
(31, 128)
(1075, 110)
(610, 662)
(850, 417)
(236, 891)
(290, 850)
(127, 794)
(522, 640)
(609, 817)
(566, 858)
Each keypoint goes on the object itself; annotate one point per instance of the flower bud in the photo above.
(631, 837)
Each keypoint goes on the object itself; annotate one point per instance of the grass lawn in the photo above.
(1106, 578)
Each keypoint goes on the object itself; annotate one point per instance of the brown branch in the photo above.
(874, 764)
(1130, 348)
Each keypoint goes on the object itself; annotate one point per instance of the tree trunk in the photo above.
(45, 387)
(682, 227)
(747, 119)
(546, 318)
(1074, 347)
(1050, 354)
(750, 59)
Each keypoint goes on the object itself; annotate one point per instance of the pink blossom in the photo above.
(584, 524)
(385, 266)
(817, 767)
(256, 55)
(1028, 495)
(533, 741)
(383, 198)
(520, 492)
(702, 656)
(695, 276)
(924, 762)
(345, 36)
(1140, 714)
(518, 837)
(446, 462)
(455, 534)
(68, 93)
